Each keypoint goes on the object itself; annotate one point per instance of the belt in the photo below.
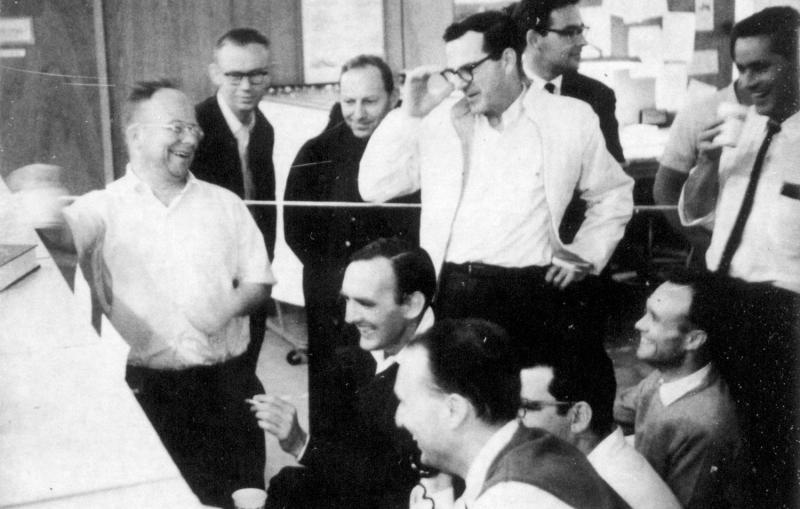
(483, 270)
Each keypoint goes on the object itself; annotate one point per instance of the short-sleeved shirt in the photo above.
(680, 152)
(158, 269)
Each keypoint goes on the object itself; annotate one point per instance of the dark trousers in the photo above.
(758, 356)
(206, 426)
(547, 324)
(327, 331)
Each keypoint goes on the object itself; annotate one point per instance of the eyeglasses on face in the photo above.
(572, 32)
(257, 77)
(464, 73)
(179, 129)
(530, 405)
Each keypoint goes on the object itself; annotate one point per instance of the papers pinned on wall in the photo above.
(636, 11)
(645, 42)
(705, 61)
(599, 35)
(678, 34)
(671, 86)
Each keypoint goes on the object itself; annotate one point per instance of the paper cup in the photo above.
(734, 115)
(249, 498)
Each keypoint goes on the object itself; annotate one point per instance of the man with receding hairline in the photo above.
(177, 264)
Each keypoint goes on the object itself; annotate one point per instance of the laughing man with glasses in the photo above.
(497, 163)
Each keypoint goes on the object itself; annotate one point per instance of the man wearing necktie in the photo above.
(236, 152)
(752, 202)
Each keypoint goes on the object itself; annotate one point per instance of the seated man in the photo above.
(577, 405)
(458, 386)
(682, 412)
(359, 459)
(325, 170)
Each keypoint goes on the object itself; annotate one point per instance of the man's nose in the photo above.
(350, 312)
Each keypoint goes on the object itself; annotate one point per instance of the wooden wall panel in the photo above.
(49, 100)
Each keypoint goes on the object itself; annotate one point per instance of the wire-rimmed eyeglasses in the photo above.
(531, 405)
(256, 77)
(178, 128)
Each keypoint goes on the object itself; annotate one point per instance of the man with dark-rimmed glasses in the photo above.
(237, 150)
(492, 199)
(576, 403)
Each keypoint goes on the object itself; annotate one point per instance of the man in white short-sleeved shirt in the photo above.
(177, 264)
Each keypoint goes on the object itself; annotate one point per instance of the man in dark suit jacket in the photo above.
(553, 30)
(236, 152)
(360, 459)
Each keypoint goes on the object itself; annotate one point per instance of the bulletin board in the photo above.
(337, 30)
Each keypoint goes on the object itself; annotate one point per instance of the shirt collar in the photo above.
(539, 83)
(671, 392)
(476, 475)
(132, 182)
(614, 441)
(382, 361)
(234, 124)
(510, 115)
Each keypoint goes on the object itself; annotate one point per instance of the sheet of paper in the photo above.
(335, 30)
(599, 35)
(705, 61)
(678, 34)
(671, 86)
(704, 13)
(635, 11)
(645, 42)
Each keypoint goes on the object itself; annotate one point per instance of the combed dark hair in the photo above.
(474, 358)
(535, 14)
(498, 29)
(780, 24)
(595, 384)
(242, 37)
(413, 268)
(361, 61)
(143, 91)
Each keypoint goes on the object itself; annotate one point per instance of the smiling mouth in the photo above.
(183, 154)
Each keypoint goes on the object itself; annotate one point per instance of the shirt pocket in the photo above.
(784, 228)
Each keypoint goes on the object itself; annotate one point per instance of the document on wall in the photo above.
(646, 43)
(705, 61)
(678, 33)
(704, 14)
(636, 11)
(599, 22)
(336, 30)
(671, 86)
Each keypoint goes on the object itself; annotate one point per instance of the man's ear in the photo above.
(532, 38)
(414, 305)
(215, 74)
(458, 409)
(580, 417)
(695, 339)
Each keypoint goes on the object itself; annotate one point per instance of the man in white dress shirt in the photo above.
(177, 264)
(576, 404)
(497, 165)
(458, 387)
(750, 196)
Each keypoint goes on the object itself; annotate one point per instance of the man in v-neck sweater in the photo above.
(684, 418)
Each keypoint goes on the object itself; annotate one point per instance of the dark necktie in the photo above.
(550, 87)
(735, 238)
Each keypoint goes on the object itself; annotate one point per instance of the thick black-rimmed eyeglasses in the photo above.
(464, 72)
(572, 32)
(257, 77)
(530, 405)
